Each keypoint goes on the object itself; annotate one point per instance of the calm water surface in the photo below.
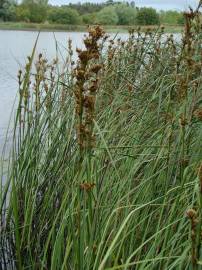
(15, 46)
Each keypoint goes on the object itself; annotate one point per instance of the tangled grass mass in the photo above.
(105, 168)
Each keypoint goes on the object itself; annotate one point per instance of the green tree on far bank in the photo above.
(22, 13)
(119, 14)
(64, 15)
(171, 17)
(107, 16)
(106, 13)
(109, 2)
(89, 18)
(147, 16)
(7, 10)
(38, 13)
(34, 11)
(126, 14)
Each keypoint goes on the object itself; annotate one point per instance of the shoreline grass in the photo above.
(21, 26)
(105, 171)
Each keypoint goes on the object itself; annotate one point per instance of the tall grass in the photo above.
(104, 168)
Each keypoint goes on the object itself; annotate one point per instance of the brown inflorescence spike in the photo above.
(86, 86)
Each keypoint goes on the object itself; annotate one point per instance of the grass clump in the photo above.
(104, 168)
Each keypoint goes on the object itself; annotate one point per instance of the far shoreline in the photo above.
(13, 26)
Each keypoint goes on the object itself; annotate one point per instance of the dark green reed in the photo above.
(105, 167)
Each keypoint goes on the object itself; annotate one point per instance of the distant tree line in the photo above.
(107, 13)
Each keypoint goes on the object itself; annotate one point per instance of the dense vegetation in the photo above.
(107, 13)
(105, 170)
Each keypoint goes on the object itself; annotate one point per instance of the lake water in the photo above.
(15, 46)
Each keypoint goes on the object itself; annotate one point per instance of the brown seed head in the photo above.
(96, 68)
(191, 213)
(200, 177)
(183, 121)
(198, 114)
(87, 186)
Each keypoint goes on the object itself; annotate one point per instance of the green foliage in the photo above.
(64, 15)
(89, 18)
(181, 19)
(86, 8)
(38, 13)
(22, 13)
(106, 13)
(7, 10)
(126, 14)
(120, 201)
(109, 2)
(107, 16)
(147, 16)
(171, 17)
(34, 11)
(38, 2)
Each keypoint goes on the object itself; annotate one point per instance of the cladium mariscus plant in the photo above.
(105, 167)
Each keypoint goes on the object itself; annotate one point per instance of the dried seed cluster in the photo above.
(87, 80)
(192, 215)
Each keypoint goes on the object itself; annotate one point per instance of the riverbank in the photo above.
(21, 26)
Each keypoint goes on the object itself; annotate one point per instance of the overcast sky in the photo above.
(158, 4)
